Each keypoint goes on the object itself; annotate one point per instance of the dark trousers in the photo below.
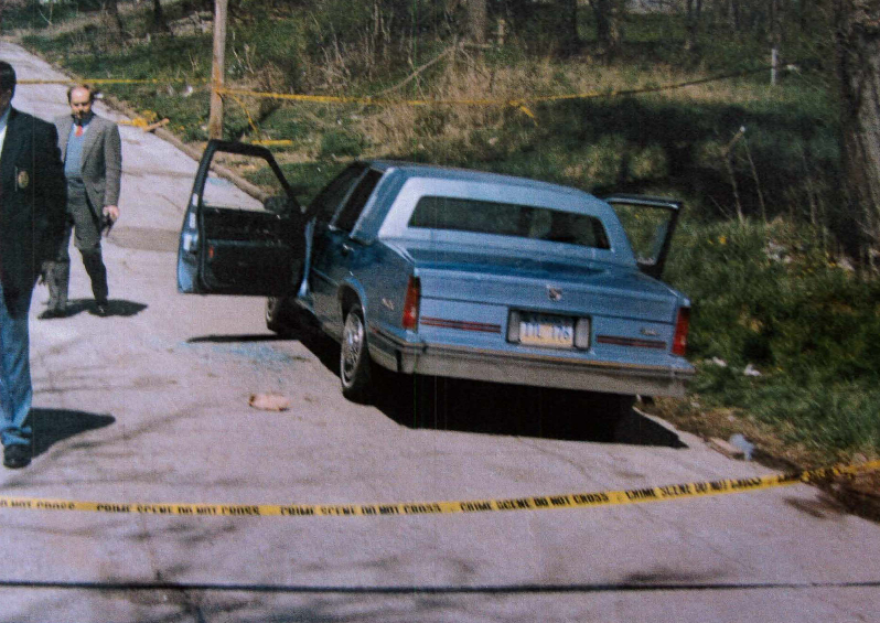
(83, 223)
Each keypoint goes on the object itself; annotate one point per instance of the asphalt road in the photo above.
(150, 405)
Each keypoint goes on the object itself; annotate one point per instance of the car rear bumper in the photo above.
(527, 369)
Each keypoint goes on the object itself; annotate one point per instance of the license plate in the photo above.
(544, 330)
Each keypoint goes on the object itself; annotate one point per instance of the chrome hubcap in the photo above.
(352, 346)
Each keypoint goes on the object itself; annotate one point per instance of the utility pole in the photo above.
(218, 70)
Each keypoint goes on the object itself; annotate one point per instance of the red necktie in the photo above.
(79, 130)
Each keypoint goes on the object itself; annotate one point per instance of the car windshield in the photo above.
(506, 219)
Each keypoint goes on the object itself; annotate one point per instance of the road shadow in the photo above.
(145, 239)
(226, 339)
(115, 307)
(500, 409)
(53, 425)
(496, 408)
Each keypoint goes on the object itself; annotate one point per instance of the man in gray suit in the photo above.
(92, 152)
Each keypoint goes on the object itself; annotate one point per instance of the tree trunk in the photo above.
(113, 11)
(736, 15)
(609, 26)
(569, 40)
(477, 20)
(692, 23)
(158, 23)
(857, 34)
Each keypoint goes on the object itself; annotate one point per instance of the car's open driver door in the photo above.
(236, 242)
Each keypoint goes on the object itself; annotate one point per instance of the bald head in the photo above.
(80, 98)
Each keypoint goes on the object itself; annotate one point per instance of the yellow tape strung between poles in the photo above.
(367, 100)
(96, 81)
(519, 103)
(373, 101)
(576, 500)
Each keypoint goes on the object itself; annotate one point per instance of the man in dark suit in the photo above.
(32, 203)
(92, 153)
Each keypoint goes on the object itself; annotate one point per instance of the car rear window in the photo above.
(507, 219)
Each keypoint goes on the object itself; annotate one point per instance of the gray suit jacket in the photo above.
(101, 159)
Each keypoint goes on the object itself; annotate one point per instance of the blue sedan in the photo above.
(429, 270)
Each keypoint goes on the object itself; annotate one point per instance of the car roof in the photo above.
(413, 169)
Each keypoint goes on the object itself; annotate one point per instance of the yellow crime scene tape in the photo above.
(553, 502)
(520, 104)
(376, 101)
(97, 81)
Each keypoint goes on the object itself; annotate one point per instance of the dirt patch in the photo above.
(858, 494)
(144, 239)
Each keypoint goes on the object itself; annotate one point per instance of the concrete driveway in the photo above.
(151, 405)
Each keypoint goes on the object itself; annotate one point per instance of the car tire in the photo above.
(278, 315)
(354, 358)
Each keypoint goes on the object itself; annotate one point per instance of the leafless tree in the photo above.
(157, 21)
(609, 16)
(112, 9)
(857, 38)
(693, 13)
(477, 20)
(569, 39)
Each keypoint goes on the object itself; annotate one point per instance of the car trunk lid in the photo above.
(553, 285)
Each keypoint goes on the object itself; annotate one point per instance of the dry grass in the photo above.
(466, 79)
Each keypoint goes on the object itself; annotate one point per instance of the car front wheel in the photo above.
(354, 357)
(278, 314)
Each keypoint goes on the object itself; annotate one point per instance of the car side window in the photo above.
(356, 202)
(325, 204)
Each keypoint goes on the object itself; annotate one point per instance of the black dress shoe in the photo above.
(52, 312)
(102, 309)
(16, 456)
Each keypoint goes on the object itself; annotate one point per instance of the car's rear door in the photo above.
(340, 252)
(649, 223)
(241, 238)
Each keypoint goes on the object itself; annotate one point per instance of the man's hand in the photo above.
(45, 271)
(111, 213)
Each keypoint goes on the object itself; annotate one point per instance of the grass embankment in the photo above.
(754, 250)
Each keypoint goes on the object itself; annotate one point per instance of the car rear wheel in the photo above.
(354, 357)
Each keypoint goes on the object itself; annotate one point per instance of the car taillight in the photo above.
(682, 325)
(411, 303)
